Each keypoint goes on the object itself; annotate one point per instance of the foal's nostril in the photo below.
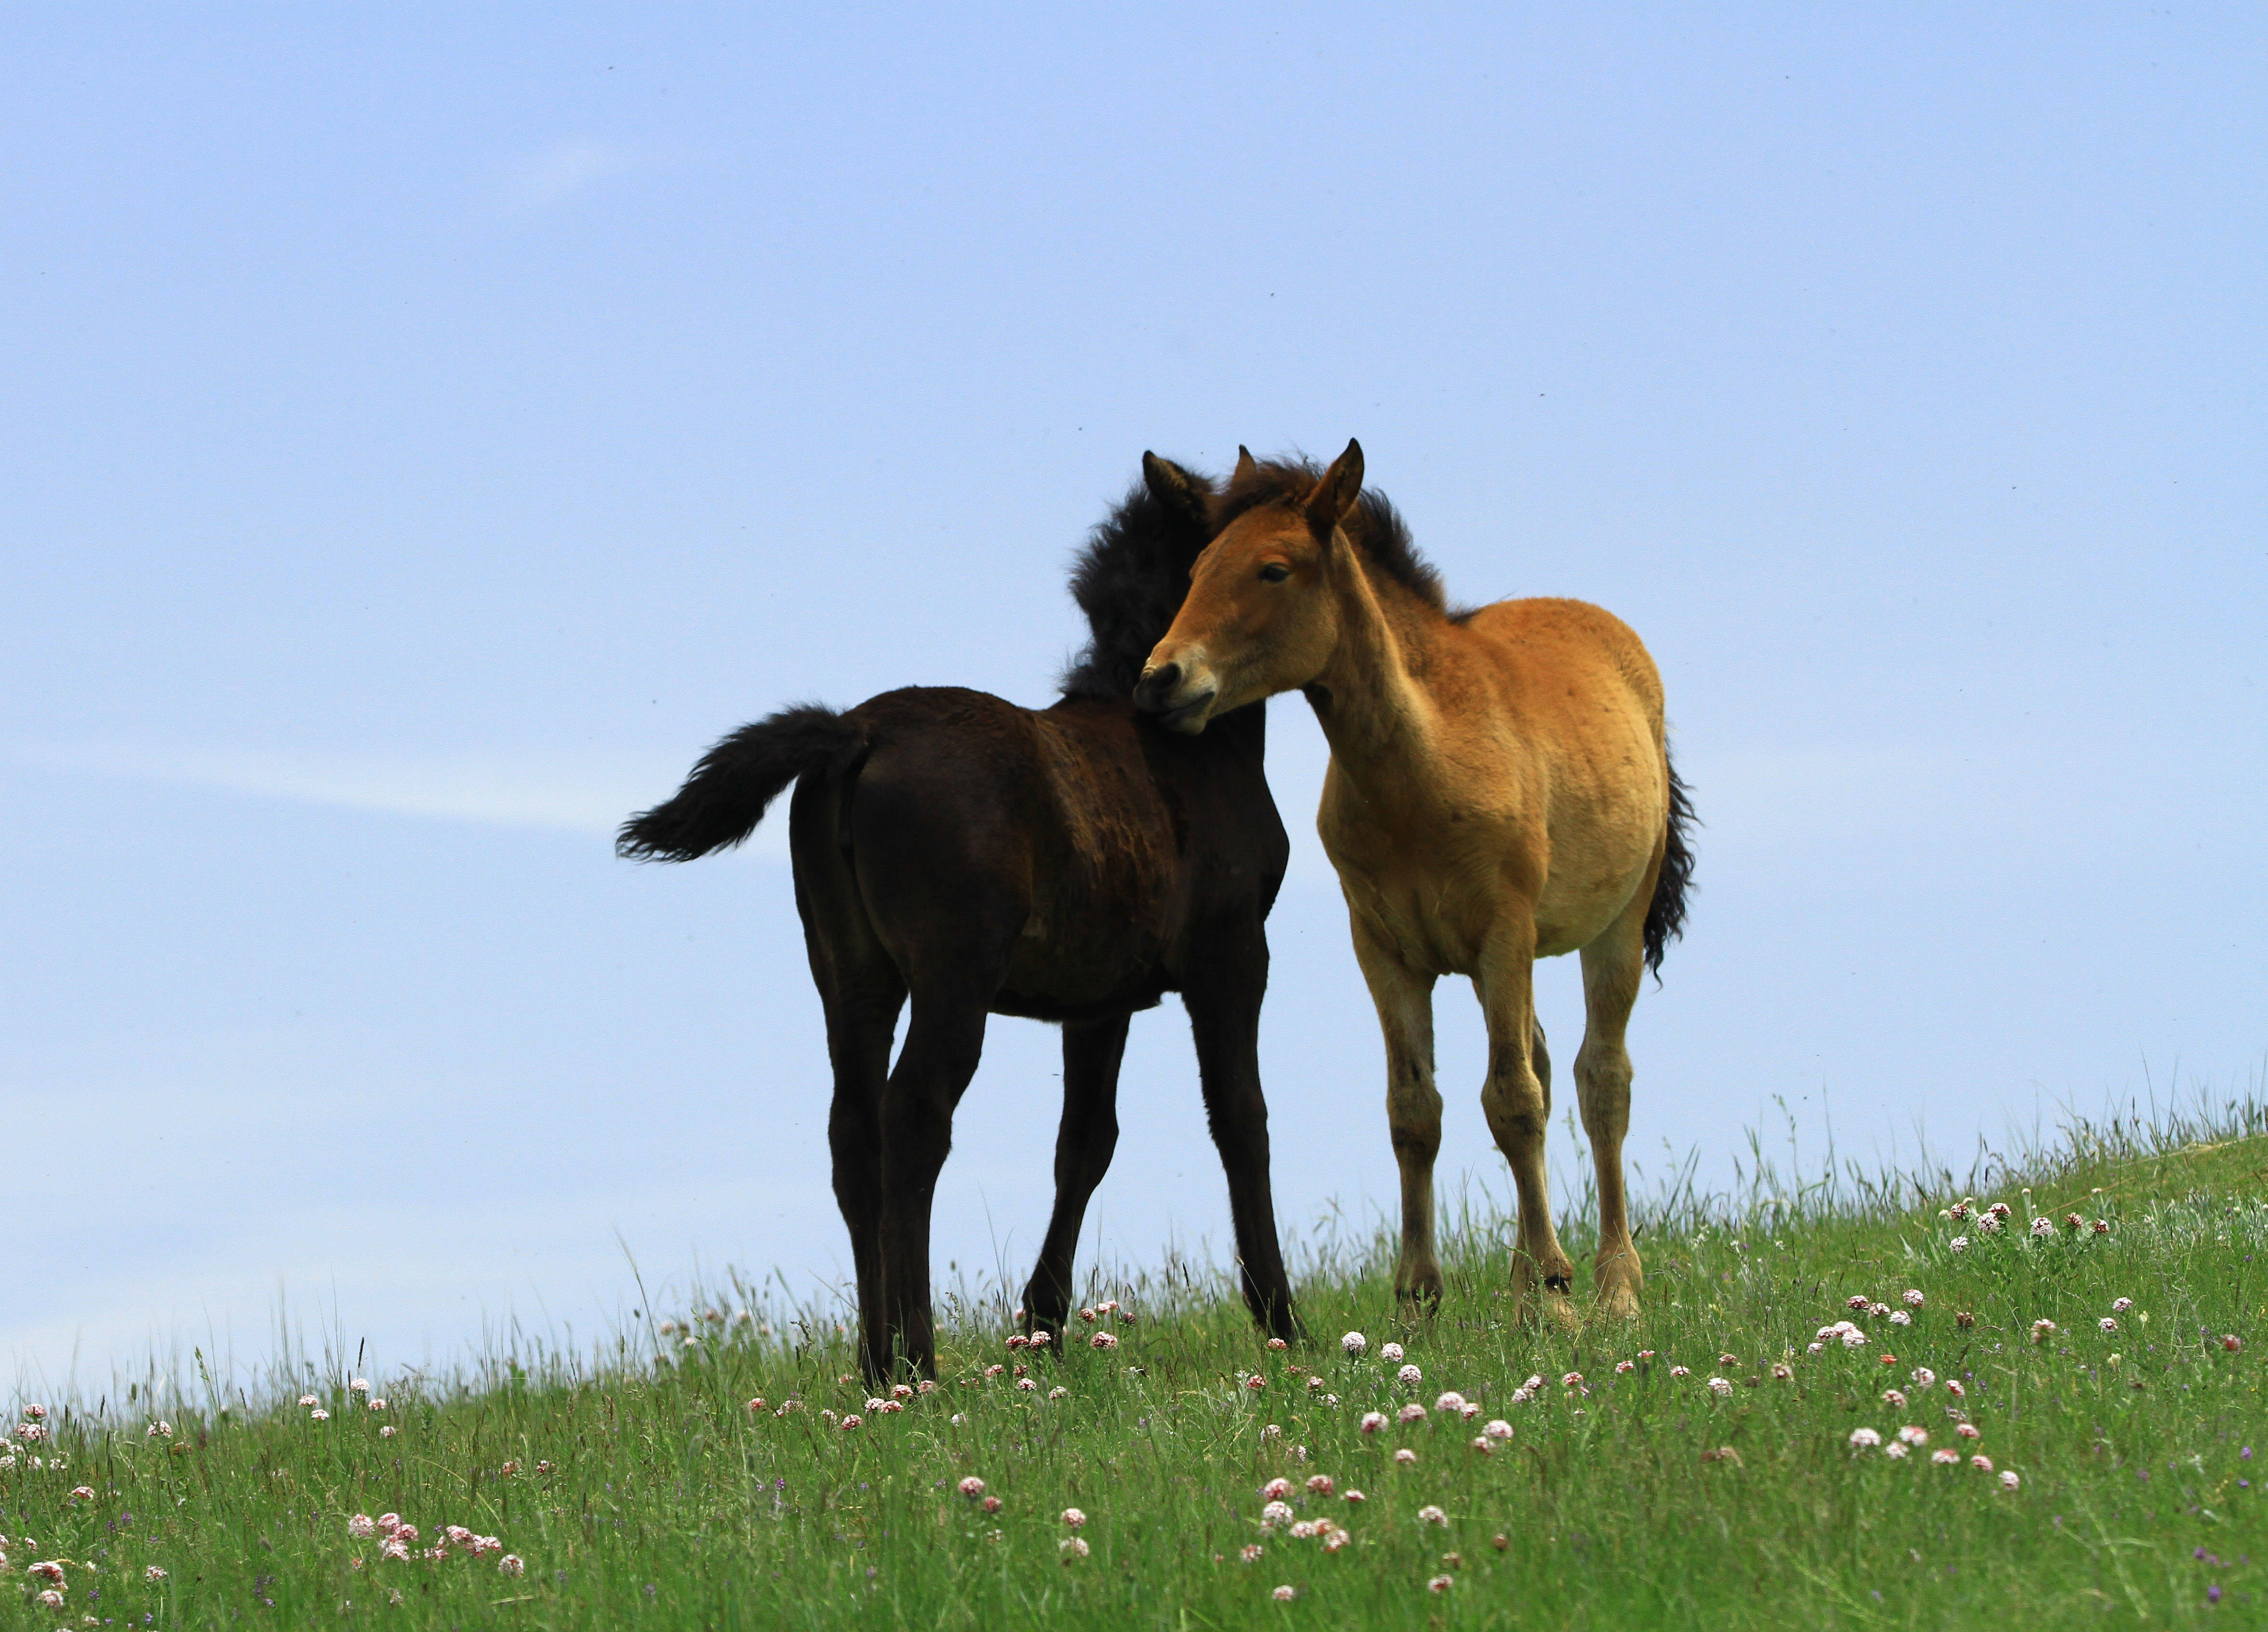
(1158, 685)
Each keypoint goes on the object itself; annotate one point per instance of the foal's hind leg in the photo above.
(1613, 965)
(1084, 1144)
(1413, 1105)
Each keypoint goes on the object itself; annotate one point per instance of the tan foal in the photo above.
(1500, 791)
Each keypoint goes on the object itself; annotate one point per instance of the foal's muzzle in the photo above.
(1154, 695)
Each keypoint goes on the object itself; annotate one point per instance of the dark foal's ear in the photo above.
(1170, 484)
(1336, 494)
(1247, 465)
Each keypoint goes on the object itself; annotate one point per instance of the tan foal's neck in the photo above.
(1370, 698)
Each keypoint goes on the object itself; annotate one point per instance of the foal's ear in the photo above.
(1247, 465)
(1336, 494)
(1169, 483)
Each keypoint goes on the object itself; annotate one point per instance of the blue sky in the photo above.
(427, 431)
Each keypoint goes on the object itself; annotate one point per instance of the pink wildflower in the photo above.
(1285, 1594)
(308, 1399)
(1924, 1378)
(153, 1572)
(1405, 1456)
(1073, 1547)
(377, 1405)
(1857, 1300)
(2008, 1480)
(1276, 1513)
(1681, 1371)
(1373, 1420)
(1058, 1392)
(972, 1487)
(512, 1564)
(2043, 1330)
(1914, 1435)
(1354, 1342)
(387, 1432)
(1645, 1354)
(1255, 1382)
(991, 1505)
(2230, 1341)
(362, 1526)
(756, 1404)
(1431, 1515)
(1782, 1371)
(1276, 1490)
(1498, 1428)
(1103, 1340)
(1967, 1430)
(1945, 1458)
(1041, 1340)
(2108, 1322)
(1017, 1339)
(1451, 1402)
(1336, 1540)
(1955, 1387)
(2043, 1227)
(1913, 1297)
(1277, 1345)
(2120, 1305)
(1896, 1451)
(1073, 1517)
(853, 1419)
(1027, 1385)
(1864, 1439)
(1354, 1498)
(1411, 1375)
(902, 1390)
(1894, 1399)
(1441, 1583)
(1983, 1464)
(51, 1599)
(1719, 1387)
(1624, 1368)
(1320, 1484)
(1411, 1413)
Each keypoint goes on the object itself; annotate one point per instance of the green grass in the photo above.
(667, 1502)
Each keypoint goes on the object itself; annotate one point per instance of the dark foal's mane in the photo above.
(1129, 579)
(1375, 527)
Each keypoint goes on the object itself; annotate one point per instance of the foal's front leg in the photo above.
(1084, 1145)
(1519, 1108)
(1413, 1105)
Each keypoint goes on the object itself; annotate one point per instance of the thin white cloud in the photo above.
(576, 794)
(555, 174)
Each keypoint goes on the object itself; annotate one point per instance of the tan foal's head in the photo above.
(1260, 615)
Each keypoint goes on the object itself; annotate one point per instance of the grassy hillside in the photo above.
(1627, 1488)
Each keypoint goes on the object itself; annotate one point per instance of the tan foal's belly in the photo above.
(1438, 909)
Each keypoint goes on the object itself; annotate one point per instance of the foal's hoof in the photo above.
(1421, 1294)
(1617, 1303)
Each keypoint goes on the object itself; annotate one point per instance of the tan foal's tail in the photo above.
(1665, 914)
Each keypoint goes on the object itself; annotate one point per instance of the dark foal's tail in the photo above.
(1665, 914)
(729, 791)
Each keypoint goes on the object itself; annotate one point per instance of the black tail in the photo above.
(1665, 914)
(728, 791)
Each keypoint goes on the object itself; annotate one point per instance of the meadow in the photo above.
(2031, 1395)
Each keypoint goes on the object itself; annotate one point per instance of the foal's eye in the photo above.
(1274, 572)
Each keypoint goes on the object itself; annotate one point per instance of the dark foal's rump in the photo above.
(969, 857)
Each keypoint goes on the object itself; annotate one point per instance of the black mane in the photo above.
(1375, 527)
(1129, 579)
